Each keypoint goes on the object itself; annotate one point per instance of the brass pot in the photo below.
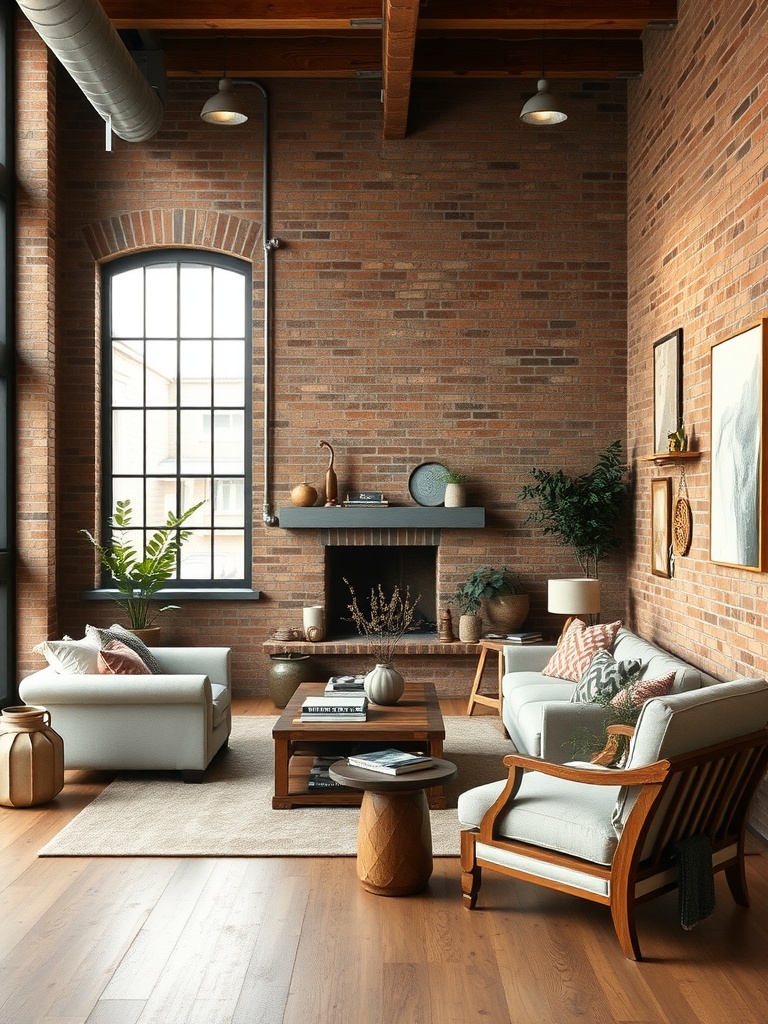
(507, 612)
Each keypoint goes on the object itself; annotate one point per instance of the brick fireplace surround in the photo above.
(480, 294)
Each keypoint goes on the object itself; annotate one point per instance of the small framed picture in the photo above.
(738, 486)
(667, 388)
(661, 504)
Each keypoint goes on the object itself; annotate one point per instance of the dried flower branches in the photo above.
(389, 618)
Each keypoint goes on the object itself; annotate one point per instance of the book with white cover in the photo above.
(390, 761)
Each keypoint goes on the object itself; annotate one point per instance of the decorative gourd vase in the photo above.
(31, 757)
(470, 628)
(507, 612)
(384, 685)
(455, 496)
(286, 674)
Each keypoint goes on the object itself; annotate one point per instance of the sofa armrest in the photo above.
(531, 658)
(214, 662)
(565, 725)
(50, 688)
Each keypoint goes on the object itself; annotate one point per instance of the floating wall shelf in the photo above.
(389, 517)
(662, 457)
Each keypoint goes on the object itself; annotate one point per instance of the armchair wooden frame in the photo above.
(705, 792)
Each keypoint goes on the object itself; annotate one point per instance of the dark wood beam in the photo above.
(400, 18)
(596, 58)
(599, 15)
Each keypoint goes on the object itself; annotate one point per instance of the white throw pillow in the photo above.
(71, 657)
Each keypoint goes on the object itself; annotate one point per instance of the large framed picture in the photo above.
(667, 388)
(737, 481)
(661, 518)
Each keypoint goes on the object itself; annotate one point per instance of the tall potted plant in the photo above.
(582, 512)
(140, 578)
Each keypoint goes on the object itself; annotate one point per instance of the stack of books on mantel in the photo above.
(516, 638)
(350, 707)
(390, 761)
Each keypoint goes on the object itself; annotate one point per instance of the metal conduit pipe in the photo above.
(81, 36)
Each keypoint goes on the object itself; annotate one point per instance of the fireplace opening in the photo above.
(367, 566)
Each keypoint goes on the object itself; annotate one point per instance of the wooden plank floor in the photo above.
(297, 941)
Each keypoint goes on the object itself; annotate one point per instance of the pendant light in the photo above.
(542, 108)
(224, 107)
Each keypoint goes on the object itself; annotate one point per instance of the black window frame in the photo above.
(208, 587)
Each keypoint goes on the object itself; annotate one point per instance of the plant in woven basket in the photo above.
(385, 620)
(582, 512)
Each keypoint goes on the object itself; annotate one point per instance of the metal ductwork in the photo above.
(81, 35)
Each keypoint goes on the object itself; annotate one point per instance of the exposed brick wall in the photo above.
(458, 296)
(697, 241)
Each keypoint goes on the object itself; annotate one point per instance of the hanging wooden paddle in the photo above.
(682, 520)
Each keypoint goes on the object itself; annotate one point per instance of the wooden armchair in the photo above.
(609, 835)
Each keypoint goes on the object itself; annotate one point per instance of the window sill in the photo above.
(169, 594)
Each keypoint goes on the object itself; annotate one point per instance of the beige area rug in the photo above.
(148, 814)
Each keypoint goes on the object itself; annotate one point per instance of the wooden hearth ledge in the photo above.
(408, 647)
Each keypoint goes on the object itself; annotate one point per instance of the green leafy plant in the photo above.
(451, 477)
(582, 512)
(387, 619)
(618, 711)
(485, 582)
(136, 577)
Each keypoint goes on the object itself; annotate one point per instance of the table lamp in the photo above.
(573, 598)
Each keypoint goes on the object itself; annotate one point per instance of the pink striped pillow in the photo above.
(642, 691)
(578, 647)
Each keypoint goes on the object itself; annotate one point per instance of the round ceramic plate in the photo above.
(427, 485)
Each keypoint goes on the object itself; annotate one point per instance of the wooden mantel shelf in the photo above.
(388, 517)
(660, 458)
(421, 646)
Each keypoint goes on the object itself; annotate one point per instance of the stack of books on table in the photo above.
(345, 684)
(319, 777)
(516, 638)
(338, 707)
(390, 761)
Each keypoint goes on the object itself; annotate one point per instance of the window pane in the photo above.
(229, 369)
(162, 301)
(192, 492)
(229, 304)
(228, 450)
(130, 489)
(196, 372)
(127, 441)
(127, 304)
(229, 502)
(195, 441)
(161, 499)
(161, 372)
(195, 562)
(128, 372)
(195, 305)
(161, 441)
(229, 555)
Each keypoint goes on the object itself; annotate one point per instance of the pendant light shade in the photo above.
(225, 107)
(542, 108)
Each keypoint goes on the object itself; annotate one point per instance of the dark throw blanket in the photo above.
(696, 887)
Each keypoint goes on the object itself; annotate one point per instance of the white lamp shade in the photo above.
(573, 597)
(543, 108)
(224, 107)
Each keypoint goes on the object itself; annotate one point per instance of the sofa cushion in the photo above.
(118, 632)
(115, 659)
(605, 675)
(71, 657)
(525, 693)
(638, 693)
(553, 813)
(578, 647)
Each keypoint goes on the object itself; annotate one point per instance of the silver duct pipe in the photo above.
(81, 35)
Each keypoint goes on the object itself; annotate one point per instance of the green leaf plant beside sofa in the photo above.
(173, 714)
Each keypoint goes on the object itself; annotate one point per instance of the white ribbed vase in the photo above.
(384, 685)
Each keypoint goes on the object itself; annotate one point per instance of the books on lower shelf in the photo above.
(319, 778)
(390, 761)
(350, 707)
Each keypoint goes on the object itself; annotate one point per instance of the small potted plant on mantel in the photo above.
(455, 491)
(139, 579)
(503, 600)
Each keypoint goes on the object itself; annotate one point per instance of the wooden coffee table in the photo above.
(414, 723)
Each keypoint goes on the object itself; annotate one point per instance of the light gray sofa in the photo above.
(177, 720)
(537, 711)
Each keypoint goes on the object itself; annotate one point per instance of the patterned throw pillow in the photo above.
(118, 632)
(605, 675)
(71, 657)
(115, 659)
(644, 690)
(578, 647)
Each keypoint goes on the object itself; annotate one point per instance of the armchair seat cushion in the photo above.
(553, 813)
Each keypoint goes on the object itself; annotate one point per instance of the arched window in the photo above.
(177, 405)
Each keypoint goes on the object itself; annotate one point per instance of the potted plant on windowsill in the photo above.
(137, 578)
(501, 596)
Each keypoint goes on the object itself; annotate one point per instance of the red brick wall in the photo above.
(697, 241)
(458, 296)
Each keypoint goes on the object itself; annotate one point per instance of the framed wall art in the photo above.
(667, 388)
(661, 506)
(737, 479)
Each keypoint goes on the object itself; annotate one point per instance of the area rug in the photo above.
(146, 814)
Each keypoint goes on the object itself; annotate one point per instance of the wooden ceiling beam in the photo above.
(398, 45)
(596, 15)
